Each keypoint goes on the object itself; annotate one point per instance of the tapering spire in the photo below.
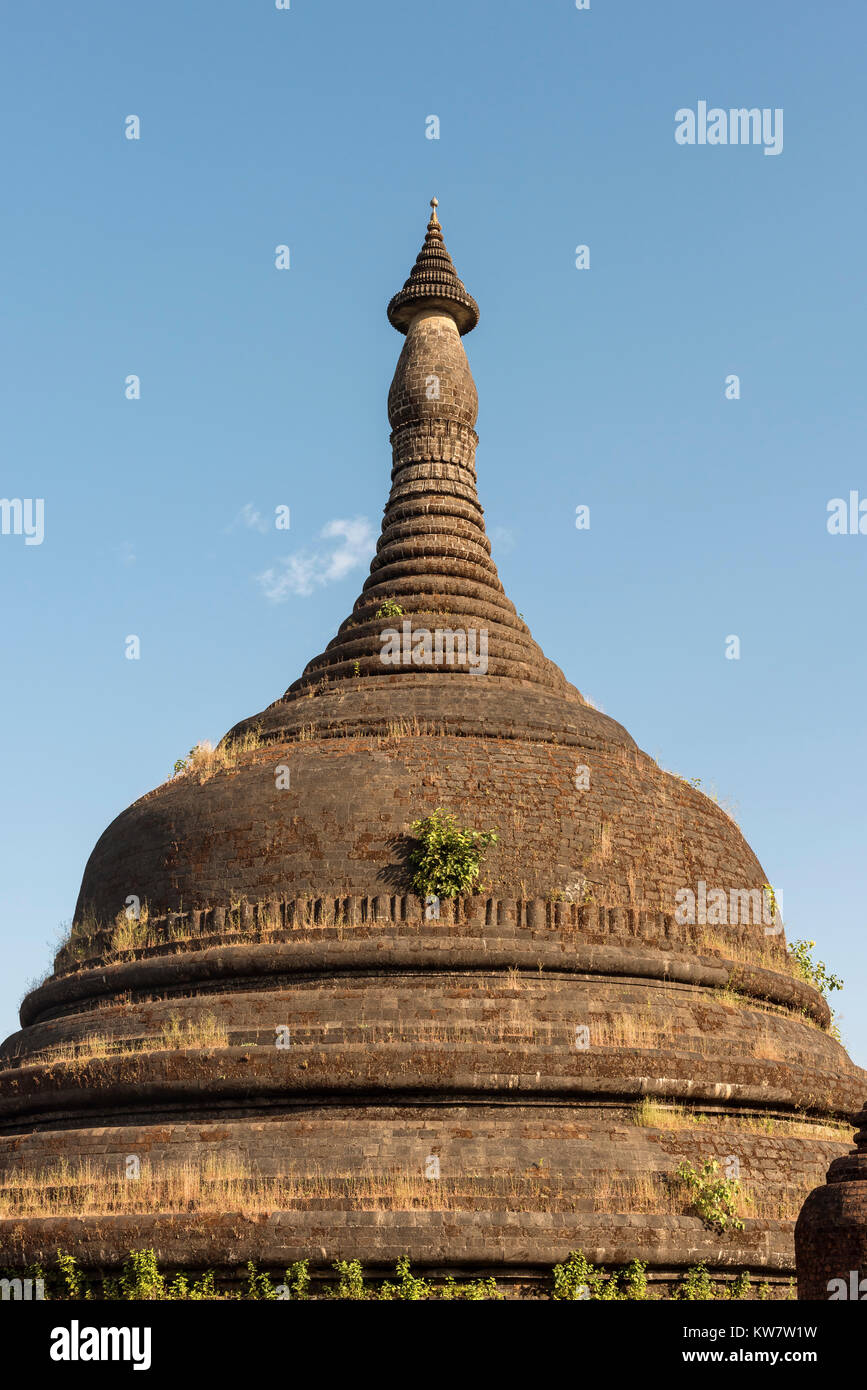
(433, 569)
(433, 283)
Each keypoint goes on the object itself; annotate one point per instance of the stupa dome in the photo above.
(559, 1039)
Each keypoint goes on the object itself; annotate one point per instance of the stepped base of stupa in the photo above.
(411, 1040)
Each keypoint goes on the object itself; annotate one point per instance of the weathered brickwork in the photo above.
(559, 1041)
(515, 1247)
(636, 836)
(569, 1142)
(831, 1234)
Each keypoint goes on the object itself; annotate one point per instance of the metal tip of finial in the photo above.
(434, 202)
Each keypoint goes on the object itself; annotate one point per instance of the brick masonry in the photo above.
(831, 1232)
(274, 905)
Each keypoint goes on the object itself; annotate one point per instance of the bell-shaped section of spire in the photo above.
(433, 284)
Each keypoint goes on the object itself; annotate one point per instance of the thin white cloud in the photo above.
(503, 537)
(252, 518)
(308, 569)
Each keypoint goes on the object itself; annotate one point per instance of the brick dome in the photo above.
(276, 892)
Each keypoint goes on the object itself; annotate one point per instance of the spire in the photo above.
(433, 283)
(433, 569)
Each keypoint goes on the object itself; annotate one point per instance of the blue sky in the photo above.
(603, 387)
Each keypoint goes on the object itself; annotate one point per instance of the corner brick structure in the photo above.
(831, 1234)
(512, 1042)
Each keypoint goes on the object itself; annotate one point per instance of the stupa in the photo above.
(484, 1083)
(831, 1231)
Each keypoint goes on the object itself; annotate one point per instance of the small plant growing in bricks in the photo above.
(696, 1286)
(715, 1197)
(389, 609)
(142, 1279)
(298, 1280)
(814, 972)
(578, 1279)
(259, 1285)
(447, 857)
(75, 1284)
(205, 760)
(477, 1291)
(410, 1289)
(351, 1277)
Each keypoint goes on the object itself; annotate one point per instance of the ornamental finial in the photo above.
(433, 284)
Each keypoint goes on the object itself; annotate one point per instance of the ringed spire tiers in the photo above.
(433, 568)
(433, 283)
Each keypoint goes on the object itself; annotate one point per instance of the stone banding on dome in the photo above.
(569, 939)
